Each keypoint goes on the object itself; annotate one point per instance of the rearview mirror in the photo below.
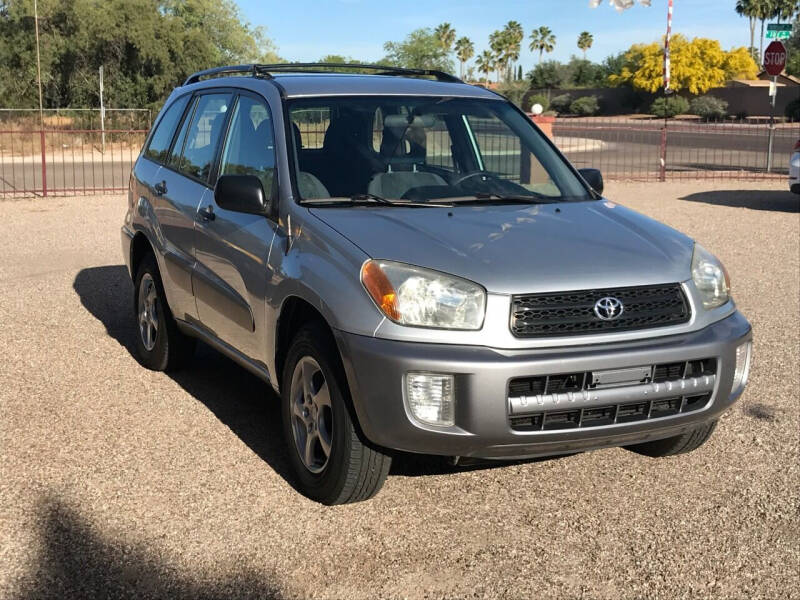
(594, 178)
(241, 193)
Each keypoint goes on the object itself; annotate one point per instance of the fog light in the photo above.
(430, 398)
(743, 353)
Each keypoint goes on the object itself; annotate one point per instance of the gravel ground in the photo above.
(120, 482)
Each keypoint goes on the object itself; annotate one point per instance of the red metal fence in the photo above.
(70, 151)
(73, 154)
(631, 148)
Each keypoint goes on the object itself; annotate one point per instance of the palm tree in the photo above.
(762, 9)
(543, 40)
(498, 43)
(585, 40)
(784, 10)
(465, 50)
(446, 36)
(746, 8)
(485, 64)
(514, 34)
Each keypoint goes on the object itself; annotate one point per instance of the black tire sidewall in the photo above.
(156, 359)
(325, 486)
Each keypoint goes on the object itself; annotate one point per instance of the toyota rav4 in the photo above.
(414, 267)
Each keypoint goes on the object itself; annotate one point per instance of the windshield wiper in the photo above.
(369, 199)
(493, 198)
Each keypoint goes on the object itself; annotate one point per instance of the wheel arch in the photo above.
(295, 312)
(140, 247)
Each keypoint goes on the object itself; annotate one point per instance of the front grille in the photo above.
(549, 402)
(572, 313)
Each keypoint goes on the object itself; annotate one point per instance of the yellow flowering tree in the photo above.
(696, 66)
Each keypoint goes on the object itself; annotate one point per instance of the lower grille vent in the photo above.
(608, 415)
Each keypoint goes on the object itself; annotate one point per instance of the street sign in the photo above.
(774, 58)
(779, 31)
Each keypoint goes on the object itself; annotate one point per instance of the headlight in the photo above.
(710, 278)
(415, 296)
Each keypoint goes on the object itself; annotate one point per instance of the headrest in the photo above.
(402, 121)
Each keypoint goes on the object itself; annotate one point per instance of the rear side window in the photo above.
(250, 147)
(203, 135)
(162, 136)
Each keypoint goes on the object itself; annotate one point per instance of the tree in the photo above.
(513, 35)
(146, 48)
(420, 50)
(585, 40)
(485, 64)
(542, 40)
(697, 66)
(746, 8)
(465, 50)
(497, 44)
(584, 73)
(446, 36)
(547, 75)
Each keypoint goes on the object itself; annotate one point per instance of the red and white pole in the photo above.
(667, 89)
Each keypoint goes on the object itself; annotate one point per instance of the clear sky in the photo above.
(306, 30)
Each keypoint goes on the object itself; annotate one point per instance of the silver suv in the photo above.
(413, 266)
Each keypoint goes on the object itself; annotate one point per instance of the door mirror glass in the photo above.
(594, 178)
(242, 193)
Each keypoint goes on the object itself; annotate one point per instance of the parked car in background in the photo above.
(414, 267)
(794, 169)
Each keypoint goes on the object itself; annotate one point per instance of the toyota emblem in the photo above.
(608, 308)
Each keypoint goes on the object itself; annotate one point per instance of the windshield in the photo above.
(423, 149)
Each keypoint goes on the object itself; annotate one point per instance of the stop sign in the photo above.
(775, 58)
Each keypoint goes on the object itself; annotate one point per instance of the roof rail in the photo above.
(266, 70)
(381, 69)
(217, 71)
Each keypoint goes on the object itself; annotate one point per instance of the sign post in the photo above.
(774, 63)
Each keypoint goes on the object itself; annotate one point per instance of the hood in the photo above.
(523, 248)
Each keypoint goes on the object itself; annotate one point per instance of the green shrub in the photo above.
(538, 99)
(670, 106)
(561, 103)
(709, 108)
(793, 110)
(515, 91)
(584, 107)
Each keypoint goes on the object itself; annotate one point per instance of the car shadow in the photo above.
(774, 200)
(77, 561)
(240, 400)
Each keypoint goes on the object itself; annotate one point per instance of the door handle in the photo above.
(207, 213)
(160, 188)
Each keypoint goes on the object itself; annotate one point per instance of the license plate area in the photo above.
(620, 377)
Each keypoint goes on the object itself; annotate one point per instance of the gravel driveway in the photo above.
(121, 482)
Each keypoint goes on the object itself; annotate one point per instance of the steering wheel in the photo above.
(472, 174)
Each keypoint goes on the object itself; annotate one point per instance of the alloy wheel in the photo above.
(311, 414)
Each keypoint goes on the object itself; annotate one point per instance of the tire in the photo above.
(160, 346)
(331, 463)
(679, 444)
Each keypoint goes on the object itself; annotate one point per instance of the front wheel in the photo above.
(331, 463)
(160, 345)
(679, 444)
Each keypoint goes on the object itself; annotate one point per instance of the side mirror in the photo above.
(594, 178)
(241, 193)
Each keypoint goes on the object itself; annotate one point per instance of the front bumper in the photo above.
(375, 369)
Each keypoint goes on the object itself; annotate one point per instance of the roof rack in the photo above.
(266, 70)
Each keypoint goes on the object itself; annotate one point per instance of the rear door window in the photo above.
(162, 136)
(203, 135)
